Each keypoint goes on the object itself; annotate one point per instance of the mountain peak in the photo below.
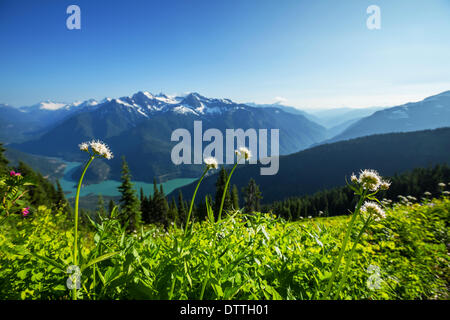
(193, 99)
(143, 94)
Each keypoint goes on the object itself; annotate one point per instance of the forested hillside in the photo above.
(324, 166)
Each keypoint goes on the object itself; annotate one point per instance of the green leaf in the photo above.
(22, 274)
(209, 211)
(49, 261)
(99, 259)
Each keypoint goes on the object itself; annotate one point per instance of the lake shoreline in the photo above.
(109, 187)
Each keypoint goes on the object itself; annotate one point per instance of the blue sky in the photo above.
(309, 54)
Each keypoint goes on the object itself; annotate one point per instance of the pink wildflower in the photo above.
(25, 211)
(14, 174)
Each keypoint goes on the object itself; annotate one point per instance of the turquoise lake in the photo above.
(109, 187)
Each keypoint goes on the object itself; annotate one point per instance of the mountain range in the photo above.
(430, 113)
(139, 127)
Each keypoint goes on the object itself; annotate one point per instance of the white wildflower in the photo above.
(211, 163)
(354, 178)
(369, 179)
(385, 185)
(101, 149)
(84, 146)
(427, 193)
(244, 153)
(373, 209)
(441, 184)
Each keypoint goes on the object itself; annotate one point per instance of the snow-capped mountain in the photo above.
(140, 127)
(58, 106)
(144, 103)
(147, 104)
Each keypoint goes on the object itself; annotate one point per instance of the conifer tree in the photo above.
(144, 207)
(173, 212)
(111, 206)
(3, 161)
(182, 209)
(163, 207)
(154, 213)
(130, 212)
(252, 197)
(60, 197)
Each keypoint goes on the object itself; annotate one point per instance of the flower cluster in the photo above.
(211, 163)
(373, 209)
(98, 148)
(12, 173)
(243, 153)
(370, 180)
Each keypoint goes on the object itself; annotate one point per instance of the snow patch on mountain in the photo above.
(48, 105)
(183, 110)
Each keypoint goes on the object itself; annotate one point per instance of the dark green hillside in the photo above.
(50, 168)
(324, 166)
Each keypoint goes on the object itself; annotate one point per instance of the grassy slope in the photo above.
(258, 257)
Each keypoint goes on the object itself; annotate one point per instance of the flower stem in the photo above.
(349, 258)
(75, 246)
(192, 201)
(344, 244)
(225, 191)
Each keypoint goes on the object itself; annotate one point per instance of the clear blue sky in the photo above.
(310, 54)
